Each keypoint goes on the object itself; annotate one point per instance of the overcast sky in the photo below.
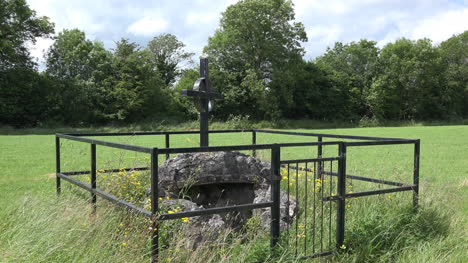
(193, 21)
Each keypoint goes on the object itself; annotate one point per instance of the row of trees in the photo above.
(256, 60)
(126, 83)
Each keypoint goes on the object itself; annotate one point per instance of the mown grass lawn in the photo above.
(27, 192)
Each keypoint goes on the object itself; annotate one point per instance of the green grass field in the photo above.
(36, 227)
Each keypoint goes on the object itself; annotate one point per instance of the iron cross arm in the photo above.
(209, 95)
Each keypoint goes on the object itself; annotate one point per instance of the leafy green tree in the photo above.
(454, 53)
(134, 87)
(168, 53)
(355, 64)
(256, 45)
(411, 84)
(239, 91)
(80, 65)
(320, 93)
(19, 26)
(23, 98)
(72, 56)
(185, 104)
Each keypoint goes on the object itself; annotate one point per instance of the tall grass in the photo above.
(35, 226)
(65, 230)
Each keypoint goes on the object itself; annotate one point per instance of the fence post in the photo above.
(416, 174)
(254, 142)
(319, 155)
(93, 175)
(154, 206)
(57, 165)
(167, 145)
(275, 194)
(341, 192)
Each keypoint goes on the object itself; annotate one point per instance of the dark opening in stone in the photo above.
(218, 195)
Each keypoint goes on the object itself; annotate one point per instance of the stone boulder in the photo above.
(203, 180)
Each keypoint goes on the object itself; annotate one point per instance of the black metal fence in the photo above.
(318, 183)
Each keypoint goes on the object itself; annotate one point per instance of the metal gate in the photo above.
(313, 230)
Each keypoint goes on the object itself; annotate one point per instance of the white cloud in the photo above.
(38, 50)
(83, 15)
(324, 33)
(442, 26)
(148, 26)
(193, 21)
(327, 22)
(197, 18)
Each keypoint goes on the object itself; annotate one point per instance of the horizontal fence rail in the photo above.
(217, 210)
(367, 179)
(122, 146)
(372, 192)
(150, 133)
(324, 135)
(106, 196)
(242, 147)
(353, 137)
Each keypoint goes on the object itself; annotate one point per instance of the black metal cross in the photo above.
(203, 98)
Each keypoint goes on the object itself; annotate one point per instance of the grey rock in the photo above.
(288, 208)
(202, 180)
(210, 168)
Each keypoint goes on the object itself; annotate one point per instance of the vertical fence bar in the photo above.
(341, 191)
(93, 175)
(319, 155)
(254, 142)
(275, 195)
(322, 190)
(416, 174)
(168, 144)
(314, 207)
(57, 165)
(330, 209)
(154, 206)
(289, 201)
(296, 235)
(306, 196)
